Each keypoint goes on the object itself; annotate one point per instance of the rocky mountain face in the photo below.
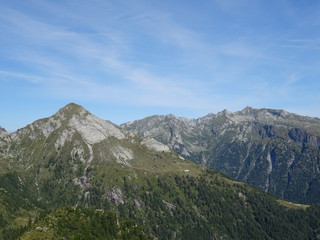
(70, 144)
(274, 150)
(75, 176)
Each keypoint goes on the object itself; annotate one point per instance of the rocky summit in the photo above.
(274, 150)
(75, 176)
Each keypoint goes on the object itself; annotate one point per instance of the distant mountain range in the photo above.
(76, 176)
(272, 149)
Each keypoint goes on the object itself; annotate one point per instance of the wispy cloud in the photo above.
(5, 75)
(108, 56)
(147, 54)
(309, 44)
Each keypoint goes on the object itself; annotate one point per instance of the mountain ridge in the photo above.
(247, 110)
(268, 148)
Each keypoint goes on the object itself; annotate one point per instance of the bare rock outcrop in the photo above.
(116, 196)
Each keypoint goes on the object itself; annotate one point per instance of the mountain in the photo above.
(70, 144)
(75, 176)
(272, 149)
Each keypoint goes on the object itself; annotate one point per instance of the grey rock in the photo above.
(116, 196)
(138, 203)
(168, 205)
(3, 133)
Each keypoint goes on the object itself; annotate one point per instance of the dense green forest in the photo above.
(168, 206)
(84, 224)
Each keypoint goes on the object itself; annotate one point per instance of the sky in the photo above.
(125, 60)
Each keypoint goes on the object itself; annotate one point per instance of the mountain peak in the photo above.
(247, 109)
(72, 108)
(91, 128)
(74, 118)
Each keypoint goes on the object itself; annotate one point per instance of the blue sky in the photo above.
(124, 60)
